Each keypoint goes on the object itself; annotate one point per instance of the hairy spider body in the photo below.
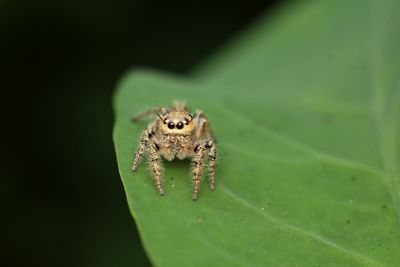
(176, 133)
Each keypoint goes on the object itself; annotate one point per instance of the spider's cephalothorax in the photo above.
(176, 133)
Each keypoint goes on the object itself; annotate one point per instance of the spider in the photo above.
(177, 133)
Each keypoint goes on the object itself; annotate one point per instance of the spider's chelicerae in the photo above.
(176, 133)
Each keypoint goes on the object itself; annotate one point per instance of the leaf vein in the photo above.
(351, 253)
(303, 147)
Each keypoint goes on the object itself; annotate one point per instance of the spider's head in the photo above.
(178, 122)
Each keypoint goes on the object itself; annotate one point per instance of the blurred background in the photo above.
(61, 198)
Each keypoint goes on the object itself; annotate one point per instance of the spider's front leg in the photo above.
(197, 168)
(144, 140)
(148, 142)
(140, 150)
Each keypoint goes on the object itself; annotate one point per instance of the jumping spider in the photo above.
(176, 133)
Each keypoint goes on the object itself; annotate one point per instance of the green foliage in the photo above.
(306, 112)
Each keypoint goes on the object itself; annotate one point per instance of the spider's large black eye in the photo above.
(179, 125)
(171, 125)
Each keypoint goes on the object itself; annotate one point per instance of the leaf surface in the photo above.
(306, 112)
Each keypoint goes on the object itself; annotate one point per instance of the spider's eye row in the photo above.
(179, 125)
(171, 125)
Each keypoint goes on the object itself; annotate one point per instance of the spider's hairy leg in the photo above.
(145, 138)
(212, 164)
(148, 112)
(155, 166)
(139, 152)
(148, 141)
(198, 165)
(203, 130)
(202, 124)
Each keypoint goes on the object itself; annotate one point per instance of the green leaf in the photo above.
(306, 112)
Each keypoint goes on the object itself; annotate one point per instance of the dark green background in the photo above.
(62, 202)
